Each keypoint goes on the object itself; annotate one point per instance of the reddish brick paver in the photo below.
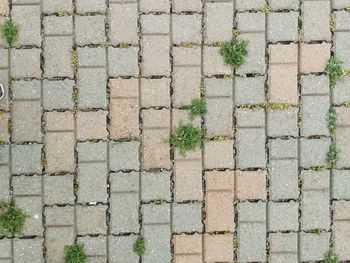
(92, 125)
(314, 57)
(188, 248)
(251, 185)
(4, 127)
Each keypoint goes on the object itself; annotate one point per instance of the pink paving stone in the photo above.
(219, 201)
(218, 154)
(92, 125)
(4, 130)
(187, 248)
(188, 177)
(251, 185)
(4, 7)
(283, 73)
(341, 229)
(124, 108)
(155, 92)
(156, 132)
(218, 248)
(314, 57)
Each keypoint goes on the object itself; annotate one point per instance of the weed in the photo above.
(74, 58)
(158, 202)
(347, 9)
(140, 246)
(334, 71)
(346, 104)
(277, 106)
(332, 120)
(266, 9)
(331, 257)
(12, 219)
(43, 162)
(198, 107)
(332, 22)
(10, 31)
(75, 254)
(317, 168)
(187, 138)
(220, 138)
(236, 32)
(9, 126)
(75, 96)
(332, 156)
(234, 52)
(188, 45)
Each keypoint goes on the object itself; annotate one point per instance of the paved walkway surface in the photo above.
(95, 87)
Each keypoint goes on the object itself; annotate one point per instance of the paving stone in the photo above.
(27, 18)
(92, 172)
(182, 115)
(283, 247)
(249, 90)
(282, 122)
(6, 249)
(213, 63)
(57, 94)
(28, 250)
(313, 246)
(155, 6)
(340, 184)
(91, 57)
(123, 26)
(59, 142)
(219, 201)
(341, 92)
(53, 6)
(155, 92)
(95, 248)
(58, 25)
(182, 33)
(246, 118)
(188, 248)
(156, 130)
(244, 5)
(5, 7)
(92, 125)
(26, 159)
(183, 5)
(5, 172)
(90, 30)
(341, 21)
(4, 78)
(340, 3)
(89, 6)
(313, 152)
(91, 220)
(282, 26)
(283, 216)
(121, 249)
(341, 229)
(155, 186)
(316, 21)
(155, 24)
(314, 57)
(155, 55)
(187, 218)
(341, 48)
(342, 137)
(251, 232)
(283, 69)
(124, 155)
(123, 62)
(249, 22)
(315, 200)
(219, 154)
(25, 63)
(314, 85)
(58, 190)
(284, 4)
(251, 185)
(218, 248)
(4, 128)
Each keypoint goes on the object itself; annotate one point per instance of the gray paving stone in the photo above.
(27, 185)
(248, 118)
(342, 20)
(91, 220)
(53, 6)
(155, 24)
(313, 246)
(155, 6)
(123, 62)
(91, 57)
(58, 215)
(251, 22)
(187, 218)
(283, 149)
(249, 90)
(89, 6)
(90, 30)
(251, 232)
(243, 5)
(313, 152)
(341, 92)
(342, 48)
(155, 92)
(213, 63)
(182, 33)
(58, 190)
(26, 159)
(95, 248)
(342, 143)
(314, 85)
(283, 216)
(28, 250)
(124, 203)
(282, 26)
(57, 94)
(341, 184)
(340, 3)
(155, 186)
(25, 63)
(121, 249)
(283, 247)
(6, 250)
(284, 4)
(124, 155)
(5, 172)
(184, 5)
(282, 122)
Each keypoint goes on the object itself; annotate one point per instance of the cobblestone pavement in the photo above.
(95, 87)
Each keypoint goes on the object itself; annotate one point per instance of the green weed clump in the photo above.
(331, 257)
(10, 31)
(75, 254)
(198, 107)
(332, 120)
(332, 156)
(234, 52)
(187, 138)
(334, 71)
(12, 219)
(140, 246)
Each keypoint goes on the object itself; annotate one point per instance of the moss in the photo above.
(332, 120)
(332, 22)
(75, 96)
(140, 246)
(74, 58)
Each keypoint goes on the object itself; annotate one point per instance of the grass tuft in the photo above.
(198, 107)
(10, 31)
(12, 219)
(332, 156)
(140, 246)
(334, 71)
(75, 254)
(187, 138)
(234, 52)
(332, 22)
(74, 58)
(331, 257)
(332, 120)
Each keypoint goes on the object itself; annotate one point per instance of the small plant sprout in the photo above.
(12, 219)
(332, 120)
(198, 107)
(331, 257)
(10, 31)
(187, 138)
(334, 71)
(234, 52)
(332, 156)
(140, 246)
(75, 254)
